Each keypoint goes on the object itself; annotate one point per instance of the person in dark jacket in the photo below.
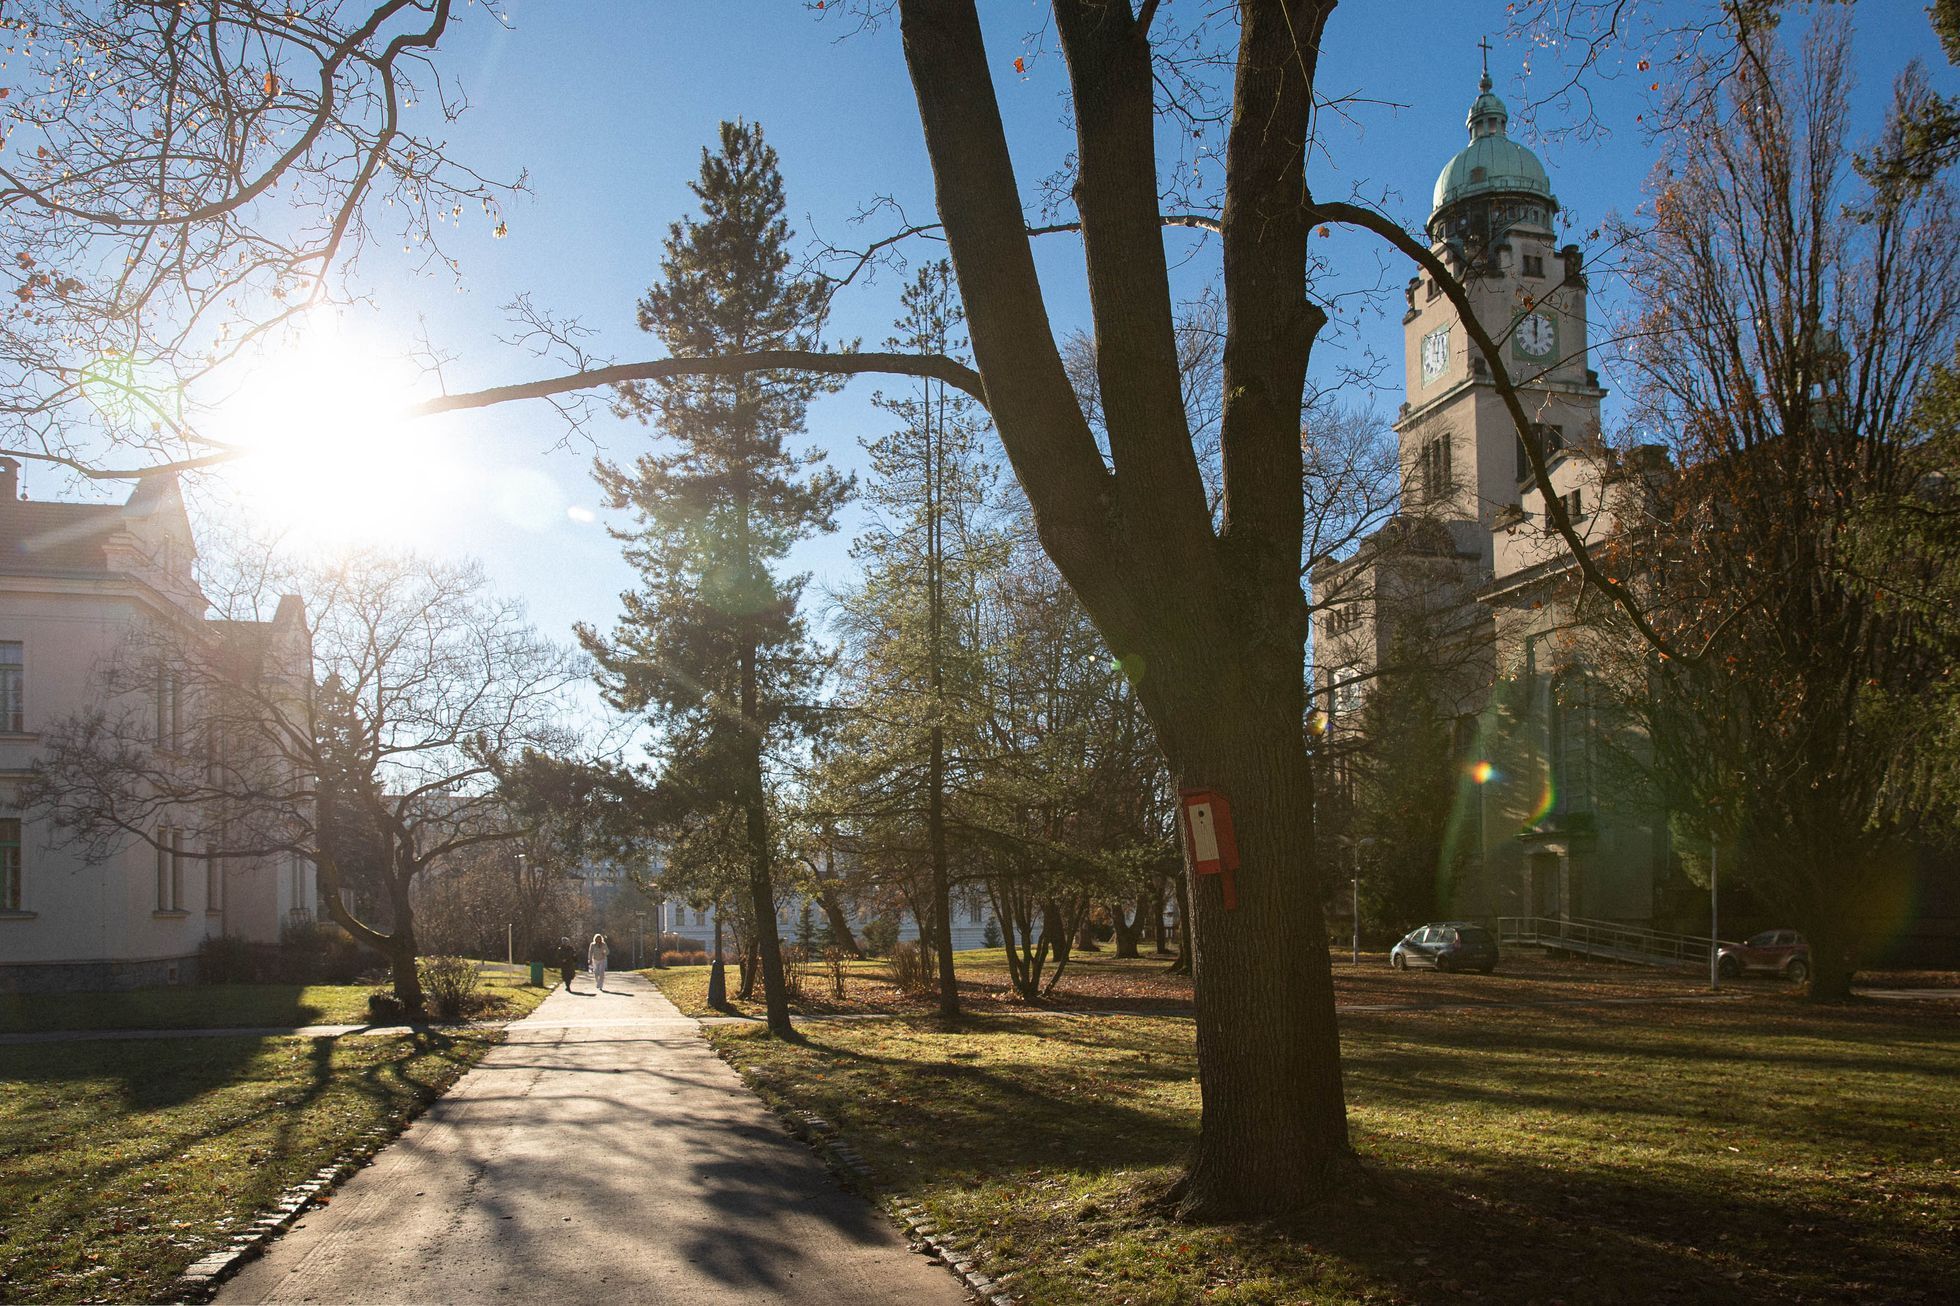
(567, 962)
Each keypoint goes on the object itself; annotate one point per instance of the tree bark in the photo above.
(1129, 930)
(840, 921)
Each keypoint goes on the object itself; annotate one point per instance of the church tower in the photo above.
(1491, 225)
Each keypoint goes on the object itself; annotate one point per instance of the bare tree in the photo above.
(180, 179)
(1793, 320)
(359, 730)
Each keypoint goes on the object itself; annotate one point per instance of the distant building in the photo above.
(75, 580)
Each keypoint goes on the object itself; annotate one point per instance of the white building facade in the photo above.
(75, 581)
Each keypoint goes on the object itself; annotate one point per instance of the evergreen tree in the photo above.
(711, 647)
(910, 625)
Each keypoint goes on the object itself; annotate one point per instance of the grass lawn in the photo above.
(217, 1006)
(1751, 1150)
(1099, 982)
(121, 1163)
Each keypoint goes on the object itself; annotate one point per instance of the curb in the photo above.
(822, 1137)
(201, 1280)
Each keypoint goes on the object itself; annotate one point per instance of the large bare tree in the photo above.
(360, 730)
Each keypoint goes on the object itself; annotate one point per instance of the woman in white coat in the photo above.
(595, 957)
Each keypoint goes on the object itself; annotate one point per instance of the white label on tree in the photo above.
(1204, 836)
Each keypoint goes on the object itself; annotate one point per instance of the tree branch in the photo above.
(935, 367)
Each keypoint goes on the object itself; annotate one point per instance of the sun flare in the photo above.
(329, 458)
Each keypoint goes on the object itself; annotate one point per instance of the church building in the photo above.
(1469, 578)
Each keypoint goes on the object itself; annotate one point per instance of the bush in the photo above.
(228, 959)
(384, 1008)
(881, 935)
(697, 958)
(793, 958)
(909, 970)
(991, 937)
(449, 984)
(833, 957)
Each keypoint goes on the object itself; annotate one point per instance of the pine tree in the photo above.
(711, 647)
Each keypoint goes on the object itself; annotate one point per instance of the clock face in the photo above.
(1537, 336)
(1435, 354)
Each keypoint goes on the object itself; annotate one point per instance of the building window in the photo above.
(1571, 730)
(1534, 265)
(1574, 503)
(1433, 469)
(1346, 692)
(1551, 439)
(214, 880)
(170, 869)
(12, 675)
(10, 890)
(170, 709)
(1434, 290)
(700, 916)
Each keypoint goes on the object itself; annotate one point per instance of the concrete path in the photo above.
(602, 1153)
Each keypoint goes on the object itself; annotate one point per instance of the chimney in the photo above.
(9, 480)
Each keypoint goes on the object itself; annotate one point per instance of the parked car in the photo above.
(1447, 945)
(1773, 952)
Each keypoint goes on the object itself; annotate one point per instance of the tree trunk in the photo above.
(1210, 621)
(1128, 931)
(1159, 938)
(840, 921)
(401, 949)
(1182, 966)
(942, 905)
(1085, 936)
(1273, 1129)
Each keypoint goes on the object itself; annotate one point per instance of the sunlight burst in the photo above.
(331, 460)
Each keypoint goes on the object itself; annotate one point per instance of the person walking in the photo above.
(595, 957)
(567, 960)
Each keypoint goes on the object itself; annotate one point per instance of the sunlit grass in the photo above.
(222, 1006)
(1755, 1151)
(121, 1163)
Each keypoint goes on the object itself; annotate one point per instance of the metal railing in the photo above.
(1606, 939)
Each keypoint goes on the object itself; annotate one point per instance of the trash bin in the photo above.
(537, 974)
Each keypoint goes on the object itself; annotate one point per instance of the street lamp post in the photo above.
(639, 935)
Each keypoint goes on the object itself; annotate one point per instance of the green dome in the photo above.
(1492, 163)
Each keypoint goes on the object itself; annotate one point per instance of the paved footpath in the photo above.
(602, 1152)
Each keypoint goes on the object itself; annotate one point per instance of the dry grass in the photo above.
(1597, 1149)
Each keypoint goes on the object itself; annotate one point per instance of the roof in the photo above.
(54, 538)
(1492, 163)
(42, 537)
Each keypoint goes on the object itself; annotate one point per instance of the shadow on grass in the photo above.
(1597, 1155)
(126, 1160)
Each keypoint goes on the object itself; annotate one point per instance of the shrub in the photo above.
(228, 959)
(991, 936)
(833, 957)
(881, 935)
(384, 1008)
(908, 968)
(697, 958)
(449, 983)
(793, 958)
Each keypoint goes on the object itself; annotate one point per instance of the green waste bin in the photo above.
(537, 974)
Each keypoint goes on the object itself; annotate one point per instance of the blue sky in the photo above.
(607, 103)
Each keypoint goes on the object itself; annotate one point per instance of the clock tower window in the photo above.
(1433, 470)
(1534, 265)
